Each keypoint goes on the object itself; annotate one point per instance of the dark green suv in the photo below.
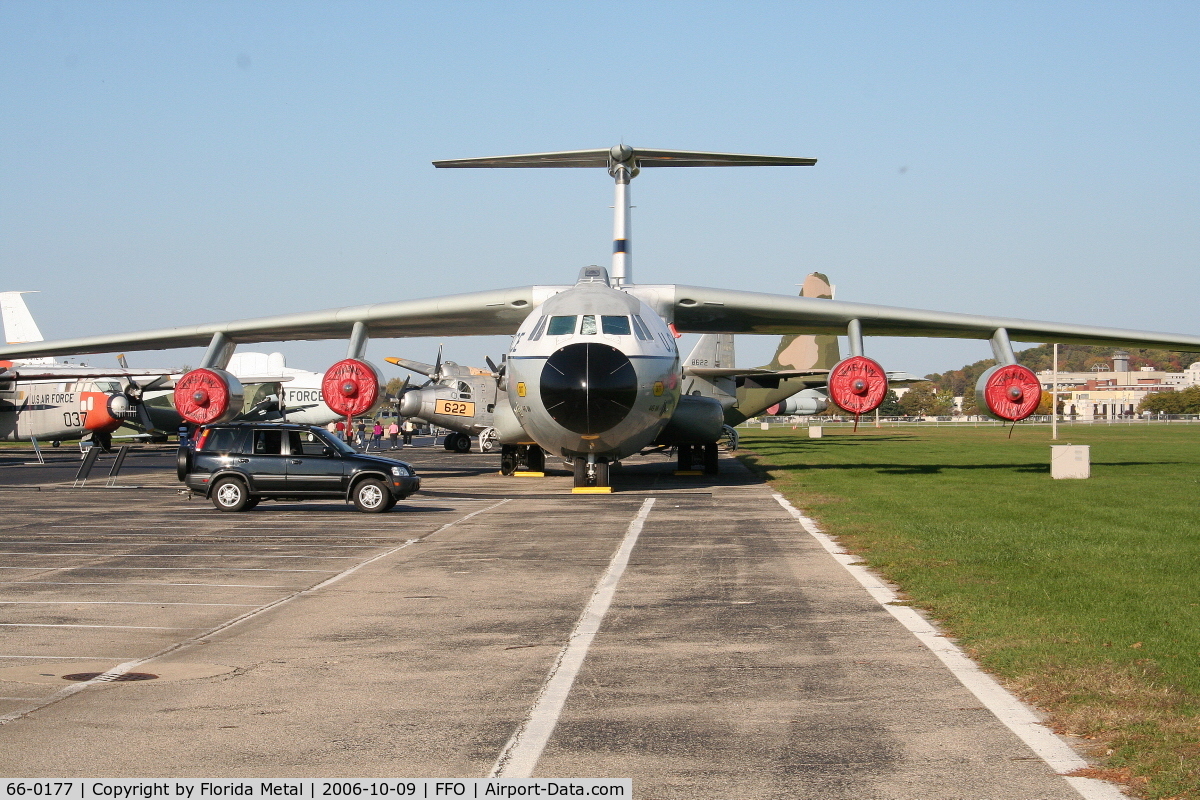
(237, 464)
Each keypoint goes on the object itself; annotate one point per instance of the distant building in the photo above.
(1116, 392)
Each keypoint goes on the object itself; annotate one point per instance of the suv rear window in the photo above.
(222, 440)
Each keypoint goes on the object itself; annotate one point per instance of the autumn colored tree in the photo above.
(1186, 401)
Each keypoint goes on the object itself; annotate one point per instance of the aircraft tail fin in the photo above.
(808, 351)
(712, 350)
(19, 327)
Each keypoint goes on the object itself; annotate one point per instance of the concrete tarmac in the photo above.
(737, 658)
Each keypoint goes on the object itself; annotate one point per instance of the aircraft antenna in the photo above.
(624, 163)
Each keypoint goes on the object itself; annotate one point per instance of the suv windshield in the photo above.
(337, 444)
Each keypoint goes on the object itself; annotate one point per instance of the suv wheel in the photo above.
(371, 496)
(229, 494)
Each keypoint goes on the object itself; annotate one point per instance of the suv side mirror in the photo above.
(326, 451)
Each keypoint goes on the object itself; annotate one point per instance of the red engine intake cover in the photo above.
(857, 384)
(1010, 392)
(208, 395)
(351, 387)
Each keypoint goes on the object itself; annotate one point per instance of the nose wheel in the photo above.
(591, 475)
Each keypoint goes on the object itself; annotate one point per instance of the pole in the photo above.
(1054, 396)
(622, 260)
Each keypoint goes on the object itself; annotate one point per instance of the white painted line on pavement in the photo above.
(63, 625)
(114, 603)
(128, 666)
(520, 755)
(181, 555)
(146, 583)
(69, 658)
(1015, 715)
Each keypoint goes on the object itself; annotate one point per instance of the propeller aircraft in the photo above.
(593, 373)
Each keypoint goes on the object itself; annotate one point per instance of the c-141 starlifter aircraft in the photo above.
(593, 373)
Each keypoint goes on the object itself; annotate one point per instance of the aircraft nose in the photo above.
(588, 388)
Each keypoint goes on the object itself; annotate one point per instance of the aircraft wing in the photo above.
(62, 372)
(693, 309)
(499, 311)
(702, 310)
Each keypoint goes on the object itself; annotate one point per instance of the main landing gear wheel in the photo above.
(462, 443)
(730, 439)
(371, 496)
(711, 459)
(522, 458)
(684, 454)
(508, 459)
(230, 494)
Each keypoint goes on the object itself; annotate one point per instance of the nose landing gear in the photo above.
(591, 476)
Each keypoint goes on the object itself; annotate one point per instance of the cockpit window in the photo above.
(615, 326)
(536, 333)
(640, 327)
(588, 326)
(561, 326)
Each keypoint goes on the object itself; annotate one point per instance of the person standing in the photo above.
(362, 435)
(393, 432)
(339, 430)
(377, 436)
(408, 428)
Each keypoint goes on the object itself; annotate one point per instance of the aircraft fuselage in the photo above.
(593, 372)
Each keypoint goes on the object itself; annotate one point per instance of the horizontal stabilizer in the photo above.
(624, 153)
(733, 372)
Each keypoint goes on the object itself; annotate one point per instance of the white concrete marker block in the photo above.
(765, 425)
(814, 431)
(1070, 461)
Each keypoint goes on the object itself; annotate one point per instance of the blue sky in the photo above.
(168, 163)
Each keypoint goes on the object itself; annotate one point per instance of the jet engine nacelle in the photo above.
(352, 387)
(804, 403)
(1009, 392)
(857, 384)
(697, 420)
(208, 395)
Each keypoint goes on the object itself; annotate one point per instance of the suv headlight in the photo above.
(400, 472)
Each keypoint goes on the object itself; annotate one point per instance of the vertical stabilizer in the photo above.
(713, 350)
(19, 327)
(808, 351)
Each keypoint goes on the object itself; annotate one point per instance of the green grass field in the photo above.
(1082, 595)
